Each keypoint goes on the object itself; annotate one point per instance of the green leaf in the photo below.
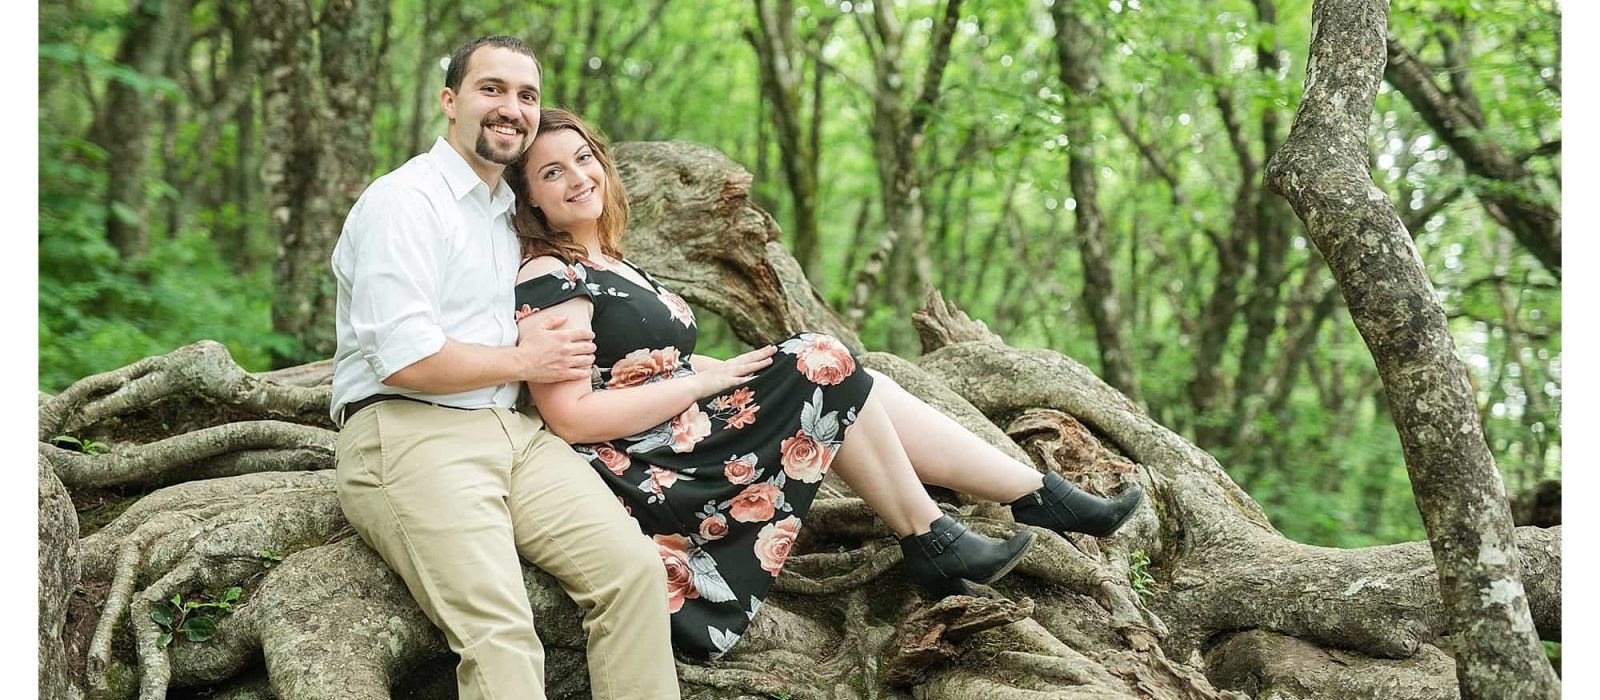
(232, 594)
(199, 629)
(162, 615)
(177, 600)
(163, 640)
(67, 440)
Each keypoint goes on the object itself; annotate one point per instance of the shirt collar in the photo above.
(462, 179)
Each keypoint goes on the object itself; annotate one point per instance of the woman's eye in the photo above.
(585, 156)
(549, 173)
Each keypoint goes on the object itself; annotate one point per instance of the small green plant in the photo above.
(1139, 574)
(195, 619)
(269, 558)
(88, 447)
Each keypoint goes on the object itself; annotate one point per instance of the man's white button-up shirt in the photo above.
(427, 253)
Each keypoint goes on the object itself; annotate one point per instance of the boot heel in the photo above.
(1061, 506)
(943, 559)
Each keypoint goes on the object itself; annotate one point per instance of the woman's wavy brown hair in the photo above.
(534, 232)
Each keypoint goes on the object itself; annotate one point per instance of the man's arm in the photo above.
(397, 251)
(544, 353)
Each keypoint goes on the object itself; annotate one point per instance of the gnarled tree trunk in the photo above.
(1322, 170)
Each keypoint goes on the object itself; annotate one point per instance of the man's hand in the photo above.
(552, 353)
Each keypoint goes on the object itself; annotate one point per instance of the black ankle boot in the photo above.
(948, 553)
(1062, 506)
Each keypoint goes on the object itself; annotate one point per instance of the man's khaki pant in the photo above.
(451, 497)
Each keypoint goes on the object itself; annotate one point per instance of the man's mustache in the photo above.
(513, 124)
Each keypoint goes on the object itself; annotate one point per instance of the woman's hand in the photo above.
(730, 373)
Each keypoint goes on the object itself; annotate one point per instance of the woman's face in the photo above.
(565, 179)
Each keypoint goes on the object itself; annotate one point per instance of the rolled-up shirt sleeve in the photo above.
(399, 243)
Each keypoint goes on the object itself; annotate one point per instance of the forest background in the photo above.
(1081, 176)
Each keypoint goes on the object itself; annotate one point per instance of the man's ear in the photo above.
(447, 102)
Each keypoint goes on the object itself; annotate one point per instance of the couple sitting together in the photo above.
(663, 489)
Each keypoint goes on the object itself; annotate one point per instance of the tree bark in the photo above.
(58, 576)
(1322, 170)
(318, 155)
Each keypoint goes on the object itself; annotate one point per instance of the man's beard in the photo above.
(489, 154)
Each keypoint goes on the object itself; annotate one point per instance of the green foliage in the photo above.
(269, 558)
(99, 312)
(1139, 574)
(195, 619)
(88, 447)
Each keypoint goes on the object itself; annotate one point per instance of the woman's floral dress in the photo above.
(724, 487)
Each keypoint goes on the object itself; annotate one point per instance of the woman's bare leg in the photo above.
(945, 454)
(875, 466)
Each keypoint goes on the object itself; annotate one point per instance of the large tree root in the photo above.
(203, 372)
(231, 449)
(1228, 569)
(195, 544)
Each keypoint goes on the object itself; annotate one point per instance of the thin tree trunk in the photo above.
(319, 157)
(1078, 61)
(1322, 171)
(123, 129)
(778, 52)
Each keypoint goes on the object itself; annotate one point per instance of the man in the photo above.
(436, 470)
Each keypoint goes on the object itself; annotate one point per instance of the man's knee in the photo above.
(638, 561)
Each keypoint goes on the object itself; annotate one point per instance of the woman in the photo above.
(720, 460)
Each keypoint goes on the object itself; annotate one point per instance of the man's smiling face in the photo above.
(495, 113)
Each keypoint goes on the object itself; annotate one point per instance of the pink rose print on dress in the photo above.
(774, 542)
(677, 307)
(735, 409)
(674, 550)
(662, 479)
(744, 417)
(714, 527)
(804, 459)
(569, 275)
(756, 503)
(616, 460)
(822, 358)
(642, 365)
(740, 471)
(690, 427)
(525, 312)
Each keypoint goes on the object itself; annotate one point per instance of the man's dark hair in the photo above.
(459, 60)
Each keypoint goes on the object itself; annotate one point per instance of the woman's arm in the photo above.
(704, 362)
(578, 414)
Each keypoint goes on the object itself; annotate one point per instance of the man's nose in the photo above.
(506, 108)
